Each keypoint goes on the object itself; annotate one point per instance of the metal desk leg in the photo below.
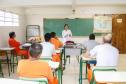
(8, 63)
(86, 69)
(64, 58)
(1, 70)
(80, 73)
(59, 76)
(12, 55)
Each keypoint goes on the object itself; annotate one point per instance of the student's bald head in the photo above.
(35, 50)
(107, 38)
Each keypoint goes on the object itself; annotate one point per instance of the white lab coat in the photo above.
(66, 34)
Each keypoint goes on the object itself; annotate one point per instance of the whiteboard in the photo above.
(102, 24)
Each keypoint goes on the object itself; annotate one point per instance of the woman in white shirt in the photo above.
(66, 33)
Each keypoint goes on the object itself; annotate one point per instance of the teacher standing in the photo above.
(66, 33)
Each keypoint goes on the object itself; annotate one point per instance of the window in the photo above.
(8, 19)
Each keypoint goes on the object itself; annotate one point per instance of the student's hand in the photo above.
(31, 39)
(87, 55)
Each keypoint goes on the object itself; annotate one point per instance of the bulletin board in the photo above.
(103, 24)
(32, 31)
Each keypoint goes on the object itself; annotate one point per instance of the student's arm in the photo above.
(93, 52)
(63, 35)
(70, 33)
(14, 43)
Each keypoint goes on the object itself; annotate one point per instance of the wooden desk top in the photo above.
(110, 76)
(6, 48)
(88, 58)
(14, 81)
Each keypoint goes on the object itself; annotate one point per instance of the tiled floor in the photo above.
(71, 73)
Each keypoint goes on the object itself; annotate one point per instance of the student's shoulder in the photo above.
(43, 63)
(98, 46)
(114, 48)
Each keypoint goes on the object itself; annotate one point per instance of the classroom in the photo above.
(62, 41)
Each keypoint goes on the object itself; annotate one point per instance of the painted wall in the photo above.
(20, 30)
(35, 16)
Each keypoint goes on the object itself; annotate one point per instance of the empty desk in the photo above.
(110, 76)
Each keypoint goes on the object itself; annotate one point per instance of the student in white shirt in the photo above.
(91, 43)
(48, 48)
(106, 54)
(66, 33)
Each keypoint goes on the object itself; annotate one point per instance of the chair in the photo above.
(45, 59)
(40, 80)
(7, 61)
(57, 72)
(101, 69)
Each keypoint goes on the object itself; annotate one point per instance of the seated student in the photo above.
(54, 40)
(106, 54)
(33, 67)
(14, 43)
(49, 48)
(91, 43)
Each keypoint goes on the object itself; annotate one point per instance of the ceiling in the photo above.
(29, 3)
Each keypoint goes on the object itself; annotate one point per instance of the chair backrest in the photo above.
(40, 80)
(45, 59)
(69, 42)
(101, 69)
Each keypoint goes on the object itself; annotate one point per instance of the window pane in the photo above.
(1, 23)
(9, 15)
(8, 23)
(1, 13)
(1, 18)
(8, 19)
(15, 20)
(15, 24)
(15, 16)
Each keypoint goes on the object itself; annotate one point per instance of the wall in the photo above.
(35, 15)
(20, 30)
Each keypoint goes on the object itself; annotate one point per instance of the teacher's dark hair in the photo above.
(35, 50)
(66, 25)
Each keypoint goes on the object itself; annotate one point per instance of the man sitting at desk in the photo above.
(13, 43)
(49, 49)
(90, 44)
(33, 67)
(106, 54)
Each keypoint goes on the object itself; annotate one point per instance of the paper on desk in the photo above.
(89, 58)
(53, 64)
(27, 44)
